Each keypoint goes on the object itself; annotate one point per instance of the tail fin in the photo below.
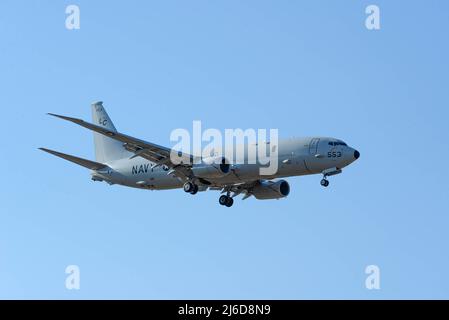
(106, 149)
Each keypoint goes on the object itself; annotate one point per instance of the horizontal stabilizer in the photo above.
(82, 162)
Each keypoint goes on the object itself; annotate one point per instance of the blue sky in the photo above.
(305, 67)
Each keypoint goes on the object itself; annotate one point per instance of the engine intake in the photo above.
(271, 190)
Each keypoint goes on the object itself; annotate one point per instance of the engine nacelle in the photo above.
(213, 167)
(271, 190)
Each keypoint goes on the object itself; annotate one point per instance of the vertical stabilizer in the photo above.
(106, 149)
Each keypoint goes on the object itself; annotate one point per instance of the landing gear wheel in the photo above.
(223, 200)
(229, 202)
(195, 189)
(226, 201)
(189, 187)
(324, 182)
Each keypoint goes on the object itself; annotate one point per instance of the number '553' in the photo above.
(334, 154)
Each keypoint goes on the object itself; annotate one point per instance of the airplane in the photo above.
(128, 161)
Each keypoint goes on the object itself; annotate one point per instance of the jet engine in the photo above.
(211, 168)
(271, 190)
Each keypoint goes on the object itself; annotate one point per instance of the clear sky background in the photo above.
(305, 67)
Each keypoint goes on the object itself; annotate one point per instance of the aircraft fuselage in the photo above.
(296, 157)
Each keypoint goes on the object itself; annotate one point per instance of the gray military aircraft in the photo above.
(128, 161)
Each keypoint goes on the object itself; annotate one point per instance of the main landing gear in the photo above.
(225, 200)
(190, 187)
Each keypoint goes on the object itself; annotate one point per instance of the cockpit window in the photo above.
(337, 143)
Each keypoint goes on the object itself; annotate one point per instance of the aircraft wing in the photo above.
(150, 151)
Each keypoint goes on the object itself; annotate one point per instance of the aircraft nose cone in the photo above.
(356, 154)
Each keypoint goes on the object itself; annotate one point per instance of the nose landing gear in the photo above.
(329, 172)
(324, 182)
